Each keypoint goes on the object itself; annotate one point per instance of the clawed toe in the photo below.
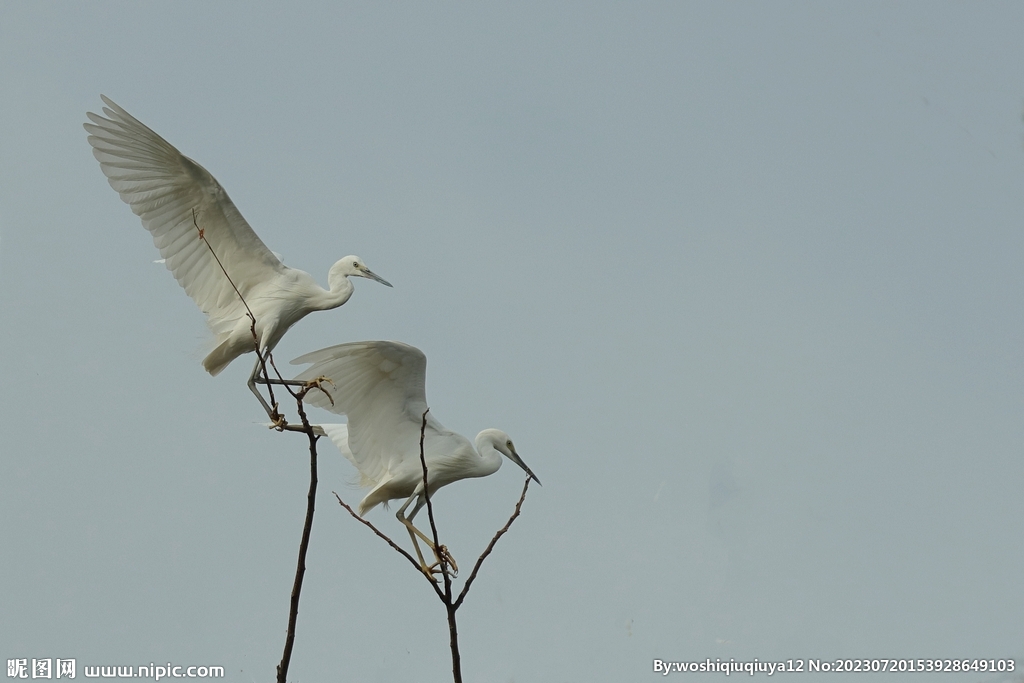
(319, 384)
(442, 555)
(277, 420)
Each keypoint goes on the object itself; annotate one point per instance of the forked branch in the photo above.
(445, 596)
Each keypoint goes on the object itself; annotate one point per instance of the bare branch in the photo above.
(252, 317)
(388, 540)
(490, 546)
(202, 236)
(442, 558)
(445, 596)
(300, 569)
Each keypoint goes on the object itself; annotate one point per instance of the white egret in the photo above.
(380, 386)
(182, 205)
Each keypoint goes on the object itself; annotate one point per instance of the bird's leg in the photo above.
(428, 570)
(282, 382)
(275, 417)
(302, 384)
(440, 552)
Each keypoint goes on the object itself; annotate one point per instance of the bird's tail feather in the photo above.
(220, 357)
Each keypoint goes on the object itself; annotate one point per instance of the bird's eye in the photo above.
(509, 443)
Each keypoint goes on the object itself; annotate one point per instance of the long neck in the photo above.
(490, 458)
(340, 290)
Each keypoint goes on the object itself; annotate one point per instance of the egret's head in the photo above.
(502, 442)
(353, 266)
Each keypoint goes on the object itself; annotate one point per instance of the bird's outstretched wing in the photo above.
(338, 434)
(164, 187)
(380, 386)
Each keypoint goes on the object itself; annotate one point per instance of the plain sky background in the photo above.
(742, 280)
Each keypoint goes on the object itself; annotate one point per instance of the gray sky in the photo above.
(743, 281)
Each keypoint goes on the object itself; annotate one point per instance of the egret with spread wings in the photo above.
(185, 209)
(380, 386)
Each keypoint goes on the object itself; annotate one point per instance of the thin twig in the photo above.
(388, 540)
(441, 560)
(202, 236)
(249, 313)
(490, 546)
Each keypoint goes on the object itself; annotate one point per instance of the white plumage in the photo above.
(380, 387)
(173, 195)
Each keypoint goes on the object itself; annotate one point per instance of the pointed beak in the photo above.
(519, 461)
(367, 273)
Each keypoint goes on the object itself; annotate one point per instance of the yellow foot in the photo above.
(442, 555)
(277, 421)
(319, 384)
(453, 569)
(430, 571)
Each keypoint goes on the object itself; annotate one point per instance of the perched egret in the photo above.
(182, 206)
(380, 386)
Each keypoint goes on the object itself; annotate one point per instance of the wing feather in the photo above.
(381, 387)
(164, 188)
